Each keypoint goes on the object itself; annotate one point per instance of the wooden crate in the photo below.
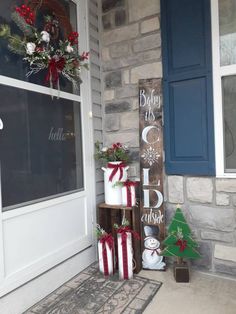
(111, 214)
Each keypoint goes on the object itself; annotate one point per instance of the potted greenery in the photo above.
(180, 244)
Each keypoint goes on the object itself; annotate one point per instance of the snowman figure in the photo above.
(151, 254)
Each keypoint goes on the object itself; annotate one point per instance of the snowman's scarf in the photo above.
(153, 251)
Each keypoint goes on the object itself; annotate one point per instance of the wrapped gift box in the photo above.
(128, 194)
(106, 255)
(125, 255)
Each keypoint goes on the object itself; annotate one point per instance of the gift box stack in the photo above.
(106, 251)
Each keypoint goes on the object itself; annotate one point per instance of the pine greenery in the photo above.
(16, 45)
(26, 29)
(5, 31)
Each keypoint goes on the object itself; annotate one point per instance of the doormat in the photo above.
(89, 293)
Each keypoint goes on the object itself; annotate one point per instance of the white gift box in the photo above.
(105, 268)
(124, 194)
(125, 256)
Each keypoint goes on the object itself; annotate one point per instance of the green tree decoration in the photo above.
(179, 242)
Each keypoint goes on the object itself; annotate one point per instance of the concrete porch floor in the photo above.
(205, 294)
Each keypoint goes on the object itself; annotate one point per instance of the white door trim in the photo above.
(217, 73)
(14, 279)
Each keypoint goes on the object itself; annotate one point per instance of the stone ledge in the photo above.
(217, 236)
(119, 50)
(129, 121)
(131, 139)
(139, 9)
(109, 95)
(110, 4)
(127, 91)
(116, 107)
(120, 34)
(112, 122)
(226, 185)
(222, 199)
(225, 267)
(150, 25)
(227, 253)
(147, 43)
(113, 79)
(175, 189)
(199, 189)
(146, 71)
(213, 218)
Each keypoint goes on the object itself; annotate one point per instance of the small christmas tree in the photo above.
(179, 242)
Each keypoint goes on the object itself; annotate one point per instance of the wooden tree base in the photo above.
(181, 272)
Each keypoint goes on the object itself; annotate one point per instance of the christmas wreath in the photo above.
(37, 47)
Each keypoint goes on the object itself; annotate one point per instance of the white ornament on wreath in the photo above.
(30, 48)
(45, 36)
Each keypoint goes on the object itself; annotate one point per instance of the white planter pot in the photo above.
(113, 194)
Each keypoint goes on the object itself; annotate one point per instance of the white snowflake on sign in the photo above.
(150, 155)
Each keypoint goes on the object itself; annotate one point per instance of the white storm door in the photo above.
(47, 197)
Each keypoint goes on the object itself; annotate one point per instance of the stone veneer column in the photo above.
(131, 51)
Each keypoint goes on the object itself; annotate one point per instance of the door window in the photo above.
(41, 141)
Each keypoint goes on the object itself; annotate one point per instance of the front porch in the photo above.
(51, 185)
(206, 294)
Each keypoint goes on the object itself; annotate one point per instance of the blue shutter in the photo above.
(187, 90)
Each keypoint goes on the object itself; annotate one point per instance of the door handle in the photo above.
(1, 124)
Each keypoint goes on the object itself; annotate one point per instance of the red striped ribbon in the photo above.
(128, 184)
(123, 231)
(106, 239)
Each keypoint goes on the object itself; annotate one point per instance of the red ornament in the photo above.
(73, 38)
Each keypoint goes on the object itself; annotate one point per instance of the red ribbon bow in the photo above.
(128, 185)
(115, 168)
(106, 239)
(123, 231)
(54, 69)
(182, 244)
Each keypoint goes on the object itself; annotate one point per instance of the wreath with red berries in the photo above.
(37, 50)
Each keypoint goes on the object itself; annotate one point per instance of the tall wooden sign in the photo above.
(151, 172)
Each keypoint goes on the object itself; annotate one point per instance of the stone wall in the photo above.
(131, 42)
(209, 205)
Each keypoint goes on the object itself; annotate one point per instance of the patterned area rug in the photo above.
(89, 293)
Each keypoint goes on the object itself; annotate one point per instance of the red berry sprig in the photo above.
(84, 56)
(116, 146)
(73, 38)
(26, 13)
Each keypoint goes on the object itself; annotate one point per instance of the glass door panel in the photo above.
(40, 147)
